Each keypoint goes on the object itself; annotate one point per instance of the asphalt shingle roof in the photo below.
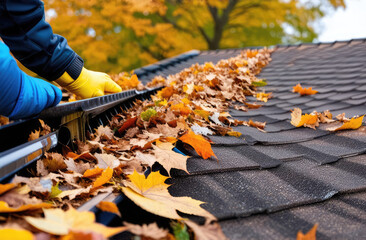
(271, 185)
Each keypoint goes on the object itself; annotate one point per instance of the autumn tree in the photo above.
(118, 35)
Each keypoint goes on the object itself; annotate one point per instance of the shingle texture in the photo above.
(271, 185)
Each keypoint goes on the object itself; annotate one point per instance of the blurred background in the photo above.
(121, 35)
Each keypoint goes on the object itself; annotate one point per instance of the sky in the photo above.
(344, 24)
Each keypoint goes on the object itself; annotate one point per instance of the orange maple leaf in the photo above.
(109, 207)
(303, 91)
(199, 143)
(311, 235)
(166, 92)
(181, 108)
(306, 120)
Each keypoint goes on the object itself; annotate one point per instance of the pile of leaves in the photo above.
(192, 105)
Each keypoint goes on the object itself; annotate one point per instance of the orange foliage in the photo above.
(199, 143)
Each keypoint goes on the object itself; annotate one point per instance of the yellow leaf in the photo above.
(152, 194)
(59, 222)
(201, 145)
(15, 234)
(6, 187)
(109, 207)
(263, 96)
(104, 178)
(353, 123)
(307, 120)
(311, 235)
(4, 207)
(234, 134)
(90, 173)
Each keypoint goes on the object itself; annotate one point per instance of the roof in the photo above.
(271, 185)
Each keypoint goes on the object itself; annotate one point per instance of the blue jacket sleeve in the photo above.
(31, 40)
(23, 96)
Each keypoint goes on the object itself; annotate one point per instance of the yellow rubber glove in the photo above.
(89, 84)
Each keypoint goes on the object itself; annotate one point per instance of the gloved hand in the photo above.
(89, 84)
(23, 96)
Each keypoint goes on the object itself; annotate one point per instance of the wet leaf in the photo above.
(201, 145)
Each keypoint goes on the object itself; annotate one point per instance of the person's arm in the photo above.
(23, 96)
(31, 40)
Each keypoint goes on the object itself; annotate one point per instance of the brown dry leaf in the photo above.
(107, 131)
(306, 120)
(83, 156)
(35, 184)
(78, 167)
(151, 231)
(107, 160)
(109, 207)
(253, 105)
(325, 117)
(311, 235)
(80, 236)
(54, 162)
(131, 122)
(147, 159)
(4, 120)
(354, 123)
(168, 158)
(303, 91)
(256, 124)
(71, 194)
(59, 222)
(91, 173)
(208, 231)
(34, 135)
(201, 145)
(152, 194)
(342, 117)
(104, 178)
(6, 187)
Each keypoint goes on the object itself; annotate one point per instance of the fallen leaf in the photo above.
(6, 187)
(91, 173)
(197, 129)
(54, 162)
(59, 222)
(151, 231)
(131, 122)
(148, 159)
(107, 131)
(252, 105)
(72, 194)
(256, 124)
(107, 160)
(168, 158)
(306, 120)
(84, 155)
(82, 235)
(234, 134)
(104, 178)
(109, 207)
(201, 145)
(55, 190)
(34, 135)
(263, 97)
(35, 184)
(15, 234)
(311, 235)
(208, 231)
(303, 91)
(152, 194)
(78, 167)
(4, 207)
(353, 123)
